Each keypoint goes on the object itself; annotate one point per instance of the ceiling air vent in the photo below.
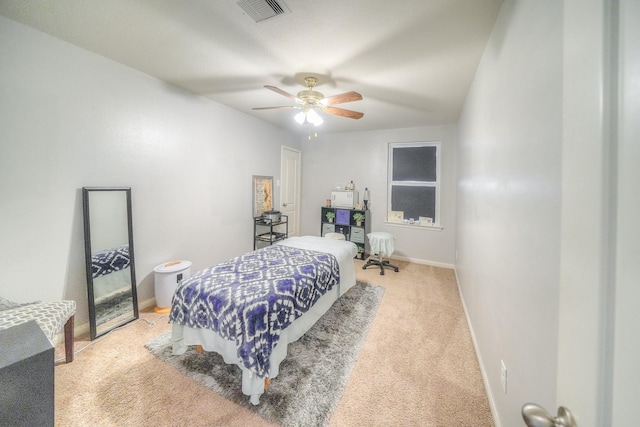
(261, 10)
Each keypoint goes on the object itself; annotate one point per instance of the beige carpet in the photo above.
(416, 368)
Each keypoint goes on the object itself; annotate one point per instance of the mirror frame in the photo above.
(88, 257)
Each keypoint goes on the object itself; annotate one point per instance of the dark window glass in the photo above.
(414, 164)
(414, 201)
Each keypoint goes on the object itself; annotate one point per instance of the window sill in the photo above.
(418, 226)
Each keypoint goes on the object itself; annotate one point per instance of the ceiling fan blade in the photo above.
(342, 112)
(283, 93)
(281, 107)
(342, 98)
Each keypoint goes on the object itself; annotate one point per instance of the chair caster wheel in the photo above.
(395, 269)
(364, 267)
(382, 273)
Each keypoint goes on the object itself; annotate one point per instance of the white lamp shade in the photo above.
(300, 117)
(308, 117)
(314, 118)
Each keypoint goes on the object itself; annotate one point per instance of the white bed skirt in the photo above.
(252, 385)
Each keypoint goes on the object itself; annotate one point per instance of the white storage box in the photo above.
(167, 277)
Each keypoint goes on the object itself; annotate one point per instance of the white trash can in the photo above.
(167, 277)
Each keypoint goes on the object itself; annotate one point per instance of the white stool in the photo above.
(382, 246)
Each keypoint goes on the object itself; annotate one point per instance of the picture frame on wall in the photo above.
(262, 194)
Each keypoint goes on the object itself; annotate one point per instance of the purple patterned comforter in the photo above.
(250, 299)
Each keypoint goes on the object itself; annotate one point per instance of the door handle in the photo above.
(536, 416)
(284, 205)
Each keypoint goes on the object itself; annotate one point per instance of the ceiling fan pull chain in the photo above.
(315, 134)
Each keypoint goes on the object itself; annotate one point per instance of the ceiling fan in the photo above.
(311, 101)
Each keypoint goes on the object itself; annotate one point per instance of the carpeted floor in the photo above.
(313, 375)
(417, 367)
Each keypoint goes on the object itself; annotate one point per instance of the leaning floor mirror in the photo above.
(108, 243)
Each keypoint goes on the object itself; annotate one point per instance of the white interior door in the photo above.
(290, 190)
(626, 346)
(598, 373)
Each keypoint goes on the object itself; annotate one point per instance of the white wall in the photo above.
(509, 197)
(333, 160)
(70, 118)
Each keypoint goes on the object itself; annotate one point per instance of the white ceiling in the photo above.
(412, 60)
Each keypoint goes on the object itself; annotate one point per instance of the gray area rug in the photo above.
(314, 373)
(113, 307)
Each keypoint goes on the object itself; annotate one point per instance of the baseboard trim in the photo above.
(148, 303)
(423, 261)
(485, 378)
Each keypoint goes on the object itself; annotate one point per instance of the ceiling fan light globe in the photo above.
(314, 117)
(300, 117)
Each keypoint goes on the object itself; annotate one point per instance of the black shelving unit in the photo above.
(344, 222)
(267, 232)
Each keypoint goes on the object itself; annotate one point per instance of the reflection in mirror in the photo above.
(111, 281)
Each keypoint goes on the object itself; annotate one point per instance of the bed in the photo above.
(251, 307)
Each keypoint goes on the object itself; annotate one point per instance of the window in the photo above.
(413, 182)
